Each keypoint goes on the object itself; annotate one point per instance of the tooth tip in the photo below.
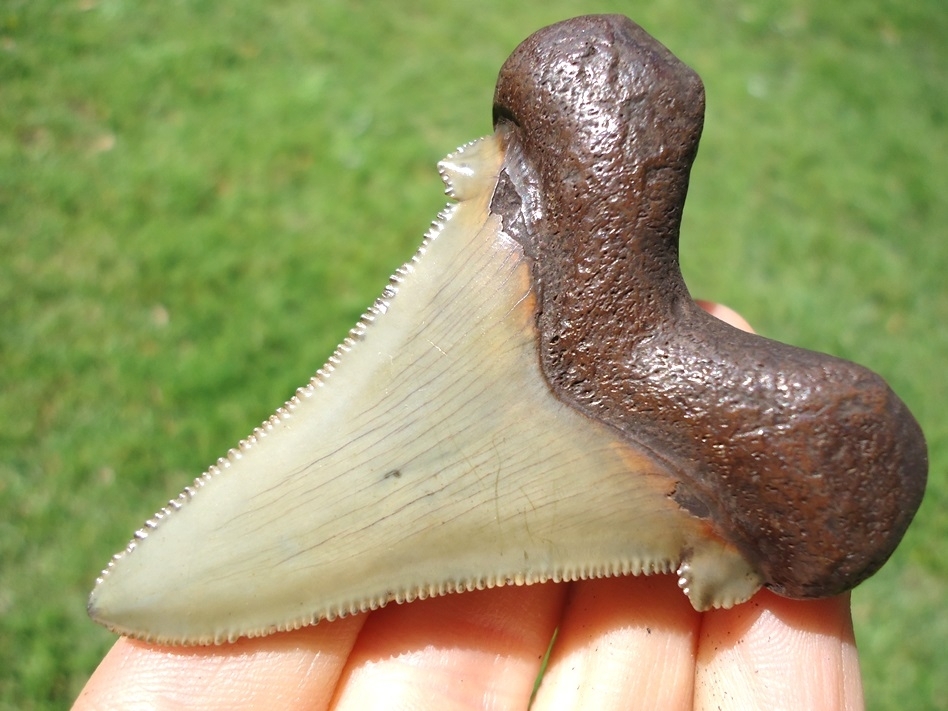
(461, 170)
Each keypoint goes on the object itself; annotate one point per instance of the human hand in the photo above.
(621, 643)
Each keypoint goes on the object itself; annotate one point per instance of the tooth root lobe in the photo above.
(809, 464)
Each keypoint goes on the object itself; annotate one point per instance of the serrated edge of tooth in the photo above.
(447, 174)
(614, 568)
(285, 411)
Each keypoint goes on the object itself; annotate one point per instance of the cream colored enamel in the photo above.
(432, 457)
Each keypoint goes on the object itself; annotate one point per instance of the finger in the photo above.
(292, 670)
(476, 650)
(777, 653)
(623, 643)
(726, 314)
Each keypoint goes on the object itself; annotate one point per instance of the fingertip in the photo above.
(625, 642)
(453, 651)
(290, 670)
(781, 653)
(726, 314)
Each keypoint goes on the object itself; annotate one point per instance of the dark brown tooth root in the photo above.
(809, 464)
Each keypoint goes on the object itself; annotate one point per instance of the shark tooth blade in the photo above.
(432, 458)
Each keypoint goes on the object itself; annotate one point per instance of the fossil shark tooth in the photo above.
(536, 397)
(430, 456)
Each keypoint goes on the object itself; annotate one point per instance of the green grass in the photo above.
(198, 199)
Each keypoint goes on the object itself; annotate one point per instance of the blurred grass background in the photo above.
(198, 199)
